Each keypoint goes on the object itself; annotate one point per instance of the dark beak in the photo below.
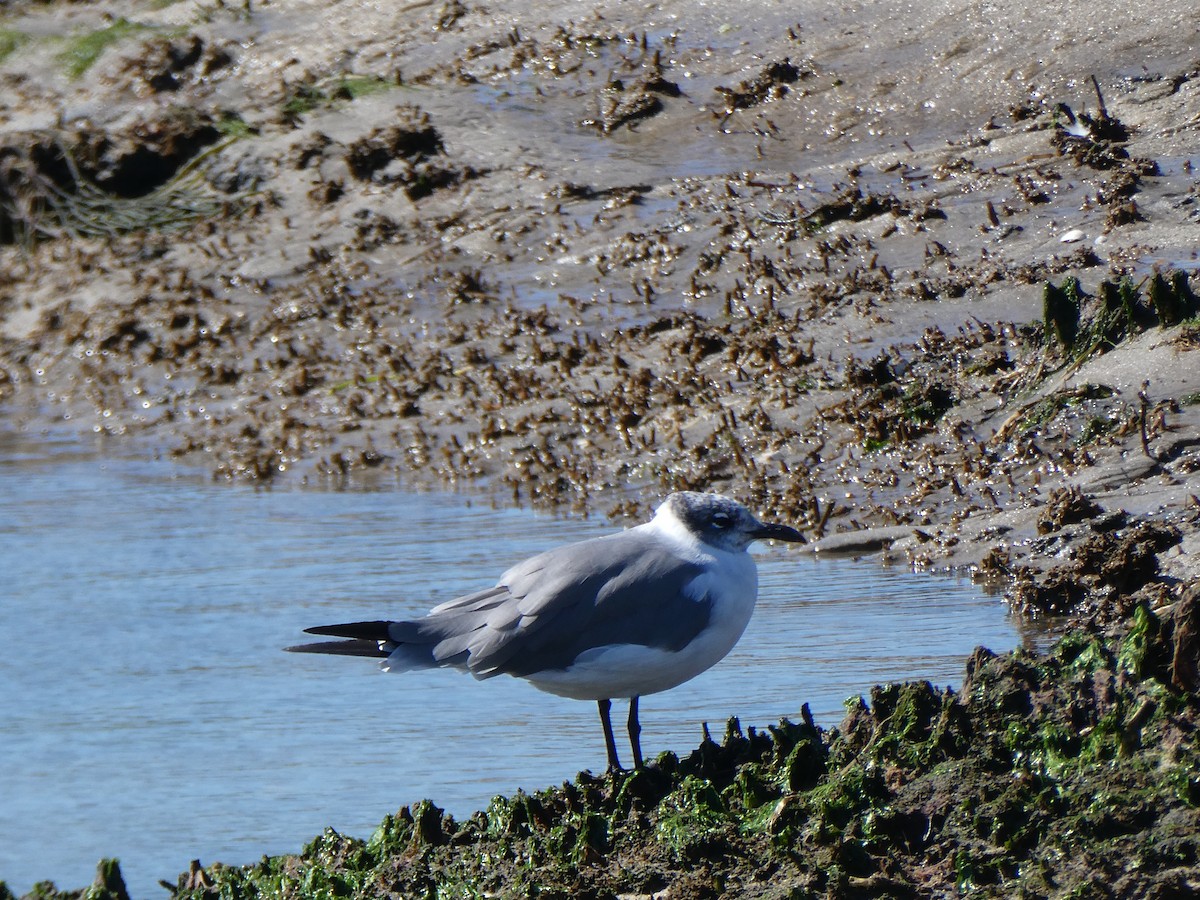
(779, 533)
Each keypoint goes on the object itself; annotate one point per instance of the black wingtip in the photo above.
(370, 649)
(362, 631)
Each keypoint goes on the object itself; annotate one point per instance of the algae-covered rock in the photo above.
(1044, 776)
(109, 884)
(1071, 773)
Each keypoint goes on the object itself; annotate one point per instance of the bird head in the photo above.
(721, 522)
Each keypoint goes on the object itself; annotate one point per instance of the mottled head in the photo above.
(721, 522)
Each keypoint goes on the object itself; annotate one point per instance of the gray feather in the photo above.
(546, 611)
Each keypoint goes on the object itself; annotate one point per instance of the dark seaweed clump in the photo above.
(1072, 774)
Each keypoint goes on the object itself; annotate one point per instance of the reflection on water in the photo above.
(148, 712)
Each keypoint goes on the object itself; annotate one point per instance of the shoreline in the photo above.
(925, 287)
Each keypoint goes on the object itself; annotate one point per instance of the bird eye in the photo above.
(722, 520)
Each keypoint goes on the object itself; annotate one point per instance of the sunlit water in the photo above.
(148, 713)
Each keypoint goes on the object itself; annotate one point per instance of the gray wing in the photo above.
(625, 588)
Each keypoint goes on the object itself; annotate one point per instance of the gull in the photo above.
(615, 617)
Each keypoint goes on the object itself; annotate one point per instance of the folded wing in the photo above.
(625, 588)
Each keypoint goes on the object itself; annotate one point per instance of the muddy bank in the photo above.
(921, 287)
(586, 260)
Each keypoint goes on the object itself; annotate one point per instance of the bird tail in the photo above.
(398, 644)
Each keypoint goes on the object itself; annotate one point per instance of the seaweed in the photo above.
(36, 205)
(1083, 324)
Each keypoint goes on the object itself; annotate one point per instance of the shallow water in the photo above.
(148, 713)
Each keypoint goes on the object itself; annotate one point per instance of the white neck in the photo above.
(668, 525)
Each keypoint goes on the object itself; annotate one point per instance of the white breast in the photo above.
(617, 671)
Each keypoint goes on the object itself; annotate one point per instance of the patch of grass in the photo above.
(1060, 309)
(302, 99)
(1172, 298)
(1119, 310)
(83, 50)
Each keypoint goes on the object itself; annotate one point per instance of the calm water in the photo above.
(146, 710)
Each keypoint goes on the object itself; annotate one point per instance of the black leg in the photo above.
(635, 732)
(614, 764)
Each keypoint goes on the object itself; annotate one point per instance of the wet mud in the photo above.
(925, 289)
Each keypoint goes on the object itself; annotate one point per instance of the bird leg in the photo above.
(635, 732)
(614, 764)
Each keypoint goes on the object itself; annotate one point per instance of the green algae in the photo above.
(690, 816)
(1172, 298)
(1046, 409)
(108, 884)
(307, 96)
(1083, 324)
(11, 40)
(1044, 776)
(82, 51)
(1060, 310)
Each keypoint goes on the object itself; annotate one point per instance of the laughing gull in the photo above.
(620, 616)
